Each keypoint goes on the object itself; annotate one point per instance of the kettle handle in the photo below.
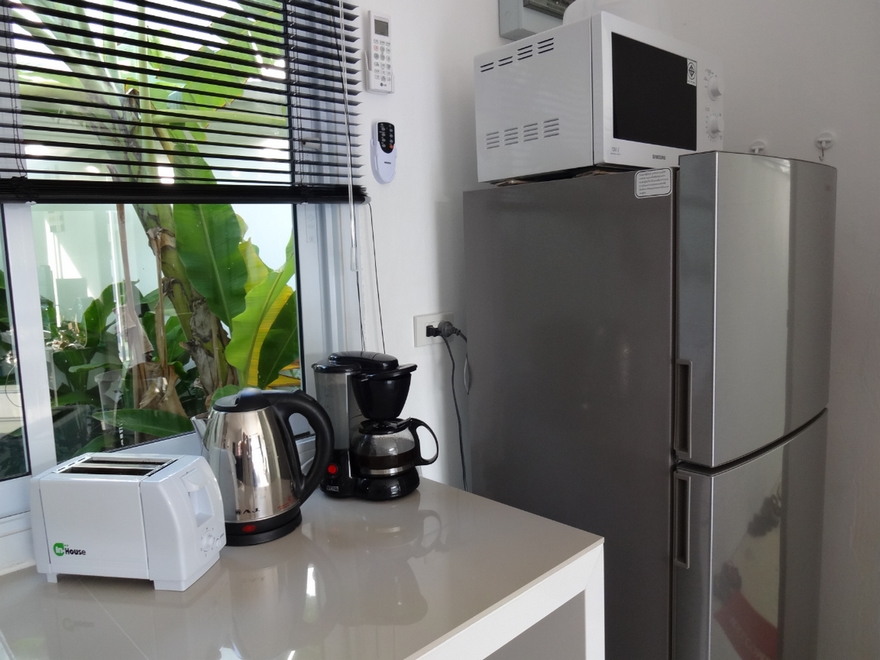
(413, 425)
(305, 405)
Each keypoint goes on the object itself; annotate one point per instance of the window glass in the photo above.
(13, 457)
(151, 311)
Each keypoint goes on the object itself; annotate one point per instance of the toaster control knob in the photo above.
(715, 89)
(208, 542)
(716, 125)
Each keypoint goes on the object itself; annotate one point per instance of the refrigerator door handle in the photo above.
(681, 523)
(683, 397)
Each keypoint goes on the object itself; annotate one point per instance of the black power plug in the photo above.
(444, 329)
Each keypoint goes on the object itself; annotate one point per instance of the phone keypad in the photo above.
(381, 70)
(385, 133)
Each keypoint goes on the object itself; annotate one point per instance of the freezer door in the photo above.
(569, 323)
(746, 554)
(756, 242)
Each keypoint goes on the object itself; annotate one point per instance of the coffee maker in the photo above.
(375, 453)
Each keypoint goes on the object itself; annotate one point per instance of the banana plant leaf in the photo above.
(183, 154)
(286, 382)
(67, 359)
(215, 90)
(174, 336)
(280, 348)
(153, 422)
(72, 398)
(96, 317)
(98, 443)
(92, 366)
(208, 237)
(251, 330)
(257, 270)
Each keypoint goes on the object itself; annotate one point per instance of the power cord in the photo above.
(444, 330)
(376, 272)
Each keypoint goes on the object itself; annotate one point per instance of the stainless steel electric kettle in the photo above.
(252, 451)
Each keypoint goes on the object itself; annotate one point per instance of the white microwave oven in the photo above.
(600, 91)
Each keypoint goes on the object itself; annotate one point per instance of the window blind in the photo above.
(179, 93)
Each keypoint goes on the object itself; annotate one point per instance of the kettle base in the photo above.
(263, 531)
(387, 488)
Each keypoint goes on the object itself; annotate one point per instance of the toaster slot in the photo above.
(118, 465)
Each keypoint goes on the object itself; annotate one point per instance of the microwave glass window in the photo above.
(655, 97)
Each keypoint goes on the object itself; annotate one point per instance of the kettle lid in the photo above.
(249, 399)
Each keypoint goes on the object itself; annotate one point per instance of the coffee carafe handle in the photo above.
(413, 425)
(303, 404)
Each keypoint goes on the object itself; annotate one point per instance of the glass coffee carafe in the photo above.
(386, 450)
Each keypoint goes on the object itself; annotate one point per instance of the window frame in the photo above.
(30, 350)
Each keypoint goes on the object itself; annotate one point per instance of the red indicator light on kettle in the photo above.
(247, 529)
(332, 468)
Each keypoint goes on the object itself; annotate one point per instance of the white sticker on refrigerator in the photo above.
(654, 183)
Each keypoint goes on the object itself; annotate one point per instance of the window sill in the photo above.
(16, 545)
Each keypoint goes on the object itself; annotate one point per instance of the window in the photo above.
(138, 343)
(167, 146)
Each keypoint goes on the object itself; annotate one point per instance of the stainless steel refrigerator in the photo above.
(649, 356)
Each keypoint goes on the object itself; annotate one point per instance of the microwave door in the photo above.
(654, 98)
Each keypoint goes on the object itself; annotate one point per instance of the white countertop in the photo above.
(440, 573)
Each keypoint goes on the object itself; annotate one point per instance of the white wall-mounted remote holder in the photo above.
(379, 74)
(383, 151)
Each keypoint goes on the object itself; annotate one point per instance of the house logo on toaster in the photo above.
(60, 549)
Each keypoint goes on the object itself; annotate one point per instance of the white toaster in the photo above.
(146, 516)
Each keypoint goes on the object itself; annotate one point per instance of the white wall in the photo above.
(794, 68)
(418, 216)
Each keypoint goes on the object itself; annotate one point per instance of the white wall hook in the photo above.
(824, 142)
(758, 147)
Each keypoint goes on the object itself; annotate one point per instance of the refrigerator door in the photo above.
(569, 311)
(756, 242)
(746, 551)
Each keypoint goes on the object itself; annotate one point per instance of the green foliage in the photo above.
(281, 346)
(208, 238)
(270, 305)
(157, 423)
(12, 458)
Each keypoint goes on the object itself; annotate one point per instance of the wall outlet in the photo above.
(420, 324)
